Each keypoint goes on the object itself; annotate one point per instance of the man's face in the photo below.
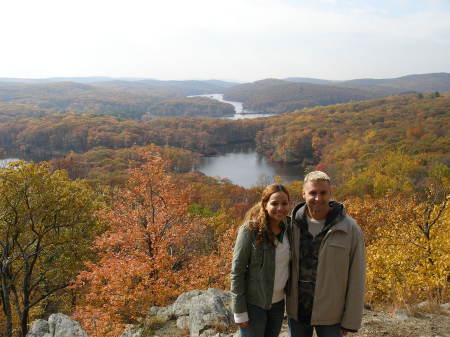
(317, 195)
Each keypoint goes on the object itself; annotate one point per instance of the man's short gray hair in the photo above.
(317, 176)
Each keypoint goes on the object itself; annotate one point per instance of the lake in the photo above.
(240, 112)
(247, 168)
(242, 165)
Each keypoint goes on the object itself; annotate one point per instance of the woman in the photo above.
(260, 266)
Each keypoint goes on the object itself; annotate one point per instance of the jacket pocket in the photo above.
(337, 256)
(337, 245)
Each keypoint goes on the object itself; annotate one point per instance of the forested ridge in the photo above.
(280, 96)
(347, 138)
(119, 192)
(57, 134)
(140, 99)
(418, 83)
(127, 99)
(16, 111)
(192, 106)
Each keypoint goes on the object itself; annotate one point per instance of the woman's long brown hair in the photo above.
(257, 218)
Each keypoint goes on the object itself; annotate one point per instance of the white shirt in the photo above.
(315, 226)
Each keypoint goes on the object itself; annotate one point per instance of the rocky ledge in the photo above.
(206, 313)
(197, 313)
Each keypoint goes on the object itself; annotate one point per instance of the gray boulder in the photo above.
(205, 313)
(58, 325)
(183, 304)
(39, 328)
(162, 314)
(62, 326)
(208, 311)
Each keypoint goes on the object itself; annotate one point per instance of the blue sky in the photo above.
(243, 40)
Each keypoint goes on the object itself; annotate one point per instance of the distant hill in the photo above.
(278, 96)
(16, 111)
(224, 84)
(133, 98)
(192, 87)
(125, 99)
(56, 79)
(191, 106)
(84, 98)
(307, 80)
(418, 83)
(409, 123)
(189, 87)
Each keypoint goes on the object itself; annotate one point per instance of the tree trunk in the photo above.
(24, 322)
(26, 305)
(6, 303)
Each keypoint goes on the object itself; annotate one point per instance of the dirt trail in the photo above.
(384, 324)
(375, 324)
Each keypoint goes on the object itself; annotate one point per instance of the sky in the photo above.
(236, 40)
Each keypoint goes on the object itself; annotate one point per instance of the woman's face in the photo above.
(278, 206)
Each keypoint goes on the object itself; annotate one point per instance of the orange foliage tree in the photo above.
(153, 251)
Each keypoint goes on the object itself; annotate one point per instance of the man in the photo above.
(326, 287)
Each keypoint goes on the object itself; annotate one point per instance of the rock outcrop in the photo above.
(204, 313)
(39, 328)
(58, 325)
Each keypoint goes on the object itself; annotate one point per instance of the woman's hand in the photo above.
(243, 324)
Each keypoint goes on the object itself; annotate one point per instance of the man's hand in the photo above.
(243, 324)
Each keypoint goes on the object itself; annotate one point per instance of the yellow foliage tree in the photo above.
(47, 225)
(408, 248)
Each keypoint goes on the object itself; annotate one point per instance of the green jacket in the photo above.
(252, 272)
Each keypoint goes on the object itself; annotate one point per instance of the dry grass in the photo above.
(424, 308)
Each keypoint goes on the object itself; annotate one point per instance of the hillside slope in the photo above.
(419, 83)
(278, 96)
(125, 99)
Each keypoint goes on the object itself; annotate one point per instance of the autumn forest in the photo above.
(104, 217)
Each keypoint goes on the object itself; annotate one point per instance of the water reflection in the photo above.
(247, 168)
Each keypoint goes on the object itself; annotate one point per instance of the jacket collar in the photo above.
(334, 217)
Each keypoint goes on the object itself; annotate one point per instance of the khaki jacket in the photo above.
(339, 289)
